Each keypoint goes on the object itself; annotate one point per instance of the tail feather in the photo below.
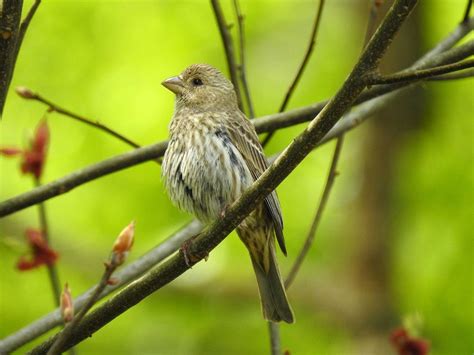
(275, 305)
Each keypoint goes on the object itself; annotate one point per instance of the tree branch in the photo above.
(25, 24)
(52, 270)
(467, 11)
(317, 218)
(454, 76)
(228, 48)
(267, 182)
(10, 18)
(274, 331)
(27, 94)
(299, 73)
(377, 79)
(82, 176)
(243, 67)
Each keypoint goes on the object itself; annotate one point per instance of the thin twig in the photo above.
(243, 66)
(52, 270)
(275, 344)
(317, 218)
(94, 297)
(25, 23)
(465, 74)
(377, 79)
(465, 18)
(228, 48)
(299, 73)
(30, 95)
(267, 182)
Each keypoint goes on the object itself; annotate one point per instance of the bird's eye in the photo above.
(197, 82)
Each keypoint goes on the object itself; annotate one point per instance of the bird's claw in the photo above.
(191, 258)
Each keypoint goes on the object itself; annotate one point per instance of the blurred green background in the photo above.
(395, 241)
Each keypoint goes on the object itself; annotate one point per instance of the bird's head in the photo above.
(202, 87)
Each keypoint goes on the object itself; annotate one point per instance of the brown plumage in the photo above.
(213, 156)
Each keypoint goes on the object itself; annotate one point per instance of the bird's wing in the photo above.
(243, 136)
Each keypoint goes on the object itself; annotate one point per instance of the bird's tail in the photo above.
(275, 305)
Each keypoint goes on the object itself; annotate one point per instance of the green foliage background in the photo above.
(106, 59)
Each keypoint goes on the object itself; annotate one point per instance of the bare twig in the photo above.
(52, 107)
(465, 74)
(299, 73)
(467, 11)
(377, 79)
(267, 182)
(242, 66)
(228, 48)
(25, 23)
(275, 345)
(317, 218)
(120, 250)
(52, 270)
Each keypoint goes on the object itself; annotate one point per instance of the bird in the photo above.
(213, 156)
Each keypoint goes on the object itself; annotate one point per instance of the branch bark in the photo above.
(10, 18)
(268, 181)
(377, 79)
(304, 63)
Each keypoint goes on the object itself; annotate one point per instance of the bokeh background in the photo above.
(395, 242)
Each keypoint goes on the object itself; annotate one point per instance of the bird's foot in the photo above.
(190, 256)
(224, 210)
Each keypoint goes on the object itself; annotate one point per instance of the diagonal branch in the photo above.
(299, 73)
(467, 11)
(314, 225)
(377, 79)
(30, 95)
(243, 67)
(267, 182)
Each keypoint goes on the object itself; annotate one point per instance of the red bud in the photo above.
(67, 306)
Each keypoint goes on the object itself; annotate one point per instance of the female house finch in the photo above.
(214, 155)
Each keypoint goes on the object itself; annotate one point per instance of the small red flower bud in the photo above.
(66, 304)
(406, 344)
(41, 138)
(25, 92)
(123, 243)
(42, 254)
(33, 157)
(113, 281)
(10, 151)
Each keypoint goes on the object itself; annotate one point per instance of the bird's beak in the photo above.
(174, 84)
